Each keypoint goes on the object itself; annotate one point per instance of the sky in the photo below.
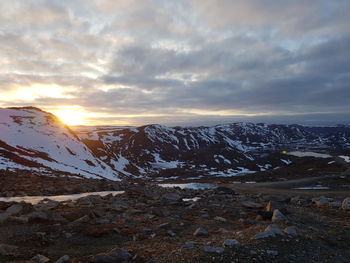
(183, 62)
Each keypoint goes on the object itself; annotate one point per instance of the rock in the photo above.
(223, 231)
(47, 205)
(225, 190)
(116, 255)
(4, 217)
(40, 259)
(200, 232)
(335, 204)
(165, 226)
(8, 250)
(171, 197)
(321, 201)
(37, 216)
(120, 254)
(190, 244)
(291, 231)
(220, 219)
(217, 250)
(346, 204)
(14, 209)
(272, 252)
(231, 243)
(63, 259)
(171, 233)
(277, 216)
(250, 204)
(270, 231)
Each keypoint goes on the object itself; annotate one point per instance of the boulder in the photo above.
(271, 231)
(200, 232)
(216, 250)
(14, 209)
(231, 243)
(277, 216)
(40, 259)
(291, 231)
(346, 204)
(250, 204)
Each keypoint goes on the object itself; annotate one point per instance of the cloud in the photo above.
(185, 60)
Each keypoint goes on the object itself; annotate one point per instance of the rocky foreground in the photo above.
(148, 223)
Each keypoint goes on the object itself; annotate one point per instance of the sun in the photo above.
(71, 117)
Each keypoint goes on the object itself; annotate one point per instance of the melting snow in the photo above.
(346, 158)
(59, 198)
(193, 186)
(310, 154)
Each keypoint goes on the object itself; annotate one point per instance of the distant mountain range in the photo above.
(31, 139)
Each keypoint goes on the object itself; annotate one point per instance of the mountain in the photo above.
(34, 140)
(31, 139)
(222, 150)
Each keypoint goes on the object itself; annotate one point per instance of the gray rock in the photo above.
(277, 216)
(190, 244)
(40, 259)
(270, 231)
(250, 204)
(346, 204)
(116, 255)
(272, 252)
(47, 205)
(14, 209)
(291, 231)
(220, 219)
(200, 232)
(171, 197)
(120, 254)
(321, 201)
(63, 259)
(216, 250)
(37, 216)
(171, 233)
(231, 243)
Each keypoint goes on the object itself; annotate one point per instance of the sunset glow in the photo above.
(177, 62)
(71, 116)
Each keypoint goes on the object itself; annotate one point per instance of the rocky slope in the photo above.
(31, 139)
(222, 150)
(153, 224)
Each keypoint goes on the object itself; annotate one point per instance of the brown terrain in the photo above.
(236, 222)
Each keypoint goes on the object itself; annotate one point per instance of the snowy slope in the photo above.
(222, 150)
(37, 140)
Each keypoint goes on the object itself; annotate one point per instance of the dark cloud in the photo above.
(187, 60)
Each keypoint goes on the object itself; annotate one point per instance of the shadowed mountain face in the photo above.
(222, 150)
(31, 139)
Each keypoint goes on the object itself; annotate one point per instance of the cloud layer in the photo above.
(179, 62)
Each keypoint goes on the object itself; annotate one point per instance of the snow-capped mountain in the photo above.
(31, 139)
(222, 150)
